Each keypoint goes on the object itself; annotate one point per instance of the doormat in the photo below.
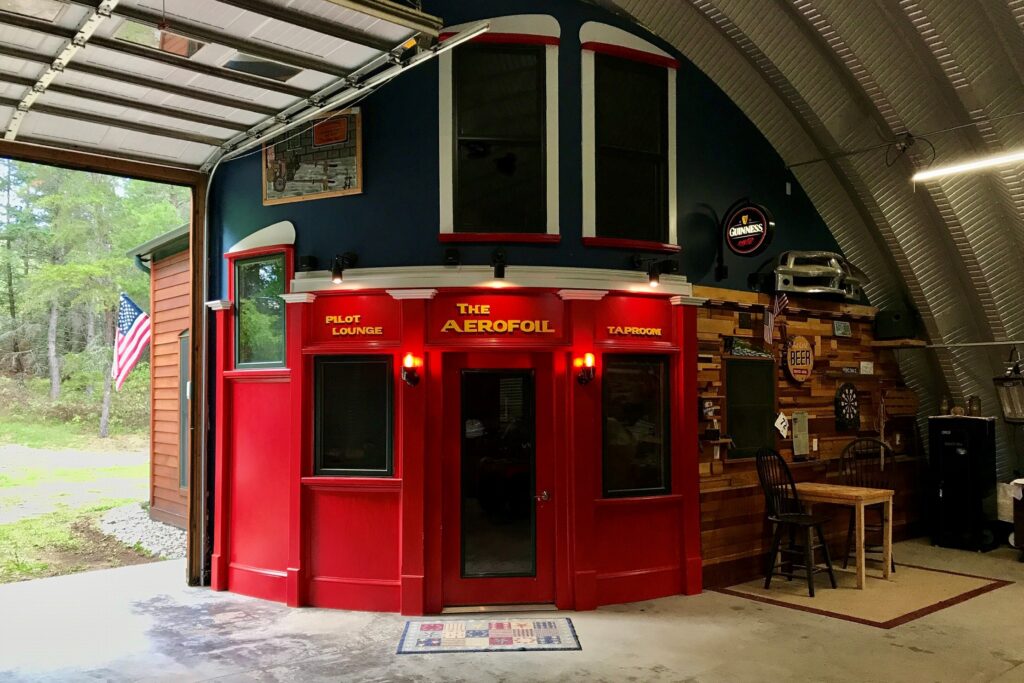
(912, 592)
(487, 635)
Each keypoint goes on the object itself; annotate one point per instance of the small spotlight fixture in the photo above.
(498, 262)
(341, 262)
(585, 368)
(654, 274)
(410, 374)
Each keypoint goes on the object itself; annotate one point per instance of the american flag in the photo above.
(132, 337)
(778, 306)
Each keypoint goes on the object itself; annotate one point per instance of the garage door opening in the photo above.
(93, 463)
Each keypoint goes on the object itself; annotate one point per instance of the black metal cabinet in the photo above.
(962, 458)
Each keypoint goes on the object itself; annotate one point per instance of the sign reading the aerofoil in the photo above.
(503, 316)
(748, 230)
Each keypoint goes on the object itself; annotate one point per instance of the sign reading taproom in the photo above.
(633, 318)
(360, 319)
(458, 316)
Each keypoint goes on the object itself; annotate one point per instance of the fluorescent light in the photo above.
(986, 162)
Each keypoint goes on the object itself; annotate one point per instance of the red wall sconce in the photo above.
(585, 368)
(410, 374)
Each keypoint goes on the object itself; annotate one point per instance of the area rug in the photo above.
(487, 635)
(913, 592)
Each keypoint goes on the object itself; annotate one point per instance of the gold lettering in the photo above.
(451, 326)
(484, 325)
(473, 309)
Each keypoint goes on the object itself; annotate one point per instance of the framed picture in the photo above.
(842, 328)
(315, 162)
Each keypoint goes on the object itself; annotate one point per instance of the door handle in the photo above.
(543, 497)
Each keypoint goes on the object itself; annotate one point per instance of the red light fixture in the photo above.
(585, 368)
(410, 374)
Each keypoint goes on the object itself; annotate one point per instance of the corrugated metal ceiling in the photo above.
(821, 77)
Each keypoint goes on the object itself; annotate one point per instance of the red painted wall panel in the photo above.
(258, 480)
(354, 534)
(638, 548)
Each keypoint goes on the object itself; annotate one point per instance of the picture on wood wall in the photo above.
(314, 162)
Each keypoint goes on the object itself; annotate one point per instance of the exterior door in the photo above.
(498, 529)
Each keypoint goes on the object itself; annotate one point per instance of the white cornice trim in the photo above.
(596, 32)
(282, 232)
(541, 277)
(582, 294)
(687, 301)
(298, 298)
(219, 305)
(402, 294)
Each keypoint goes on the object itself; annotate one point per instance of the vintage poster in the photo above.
(322, 160)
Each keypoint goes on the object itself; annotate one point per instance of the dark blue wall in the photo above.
(722, 157)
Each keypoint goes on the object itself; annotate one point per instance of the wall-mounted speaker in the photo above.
(895, 325)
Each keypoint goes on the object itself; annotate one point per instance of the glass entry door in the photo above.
(497, 518)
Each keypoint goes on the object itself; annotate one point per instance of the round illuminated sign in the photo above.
(799, 359)
(748, 230)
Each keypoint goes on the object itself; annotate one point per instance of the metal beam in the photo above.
(141, 81)
(311, 22)
(77, 114)
(95, 160)
(67, 52)
(124, 47)
(403, 15)
(199, 32)
(96, 96)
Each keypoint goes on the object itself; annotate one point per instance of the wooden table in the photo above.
(857, 498)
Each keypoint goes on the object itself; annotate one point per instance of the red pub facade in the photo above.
(489, 486)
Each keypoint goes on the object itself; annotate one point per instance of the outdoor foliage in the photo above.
(63, 242)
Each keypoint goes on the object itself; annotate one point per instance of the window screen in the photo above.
(499, 122)
(631, 149)
(635, 398)
(259, 332)
(353, 416)
(750, 405)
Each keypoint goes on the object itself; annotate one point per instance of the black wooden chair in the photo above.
(869, 463)
(788, 515)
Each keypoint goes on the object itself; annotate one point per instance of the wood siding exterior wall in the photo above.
(734, 533)
(170, 287)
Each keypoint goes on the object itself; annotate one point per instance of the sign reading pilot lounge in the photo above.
(748, 229)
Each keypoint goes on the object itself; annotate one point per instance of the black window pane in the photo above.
(630, 104)
(499, 91)
(353, 416)
(500, 187)
(750, 405)
(631, 197)
(631, 141)
(636, 450)
(259, 284)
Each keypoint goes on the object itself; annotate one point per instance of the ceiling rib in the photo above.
(141, 81)
(310, 22)
(108, 98)
(75, 42)
(79, 115)
(123, 47)
(198, 32)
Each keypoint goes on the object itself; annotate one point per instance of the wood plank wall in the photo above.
(734, 532)
(171, 313)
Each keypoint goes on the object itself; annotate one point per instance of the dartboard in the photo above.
(847, 407)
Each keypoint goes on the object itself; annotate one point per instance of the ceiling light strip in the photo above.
(1016, 157)
(66, 54)
(298, 115)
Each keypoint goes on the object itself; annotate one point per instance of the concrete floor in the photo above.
(140, 623)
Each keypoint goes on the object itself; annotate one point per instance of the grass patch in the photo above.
(32, 547)
(33, 476)
(43, 433)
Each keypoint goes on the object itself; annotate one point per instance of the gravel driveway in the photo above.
(35, 481)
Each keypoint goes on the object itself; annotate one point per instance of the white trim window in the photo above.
(629, 140)
(498, 137)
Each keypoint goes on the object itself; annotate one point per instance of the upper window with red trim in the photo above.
(631, 149)
(499, 142)
(629, 141)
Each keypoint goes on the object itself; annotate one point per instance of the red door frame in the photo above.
(480, 591)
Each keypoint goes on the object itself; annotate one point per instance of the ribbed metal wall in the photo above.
(822, 76)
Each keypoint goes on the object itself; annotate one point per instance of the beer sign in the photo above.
(799, 359)
(748, 230)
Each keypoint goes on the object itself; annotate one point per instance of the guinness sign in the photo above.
(748, 229)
